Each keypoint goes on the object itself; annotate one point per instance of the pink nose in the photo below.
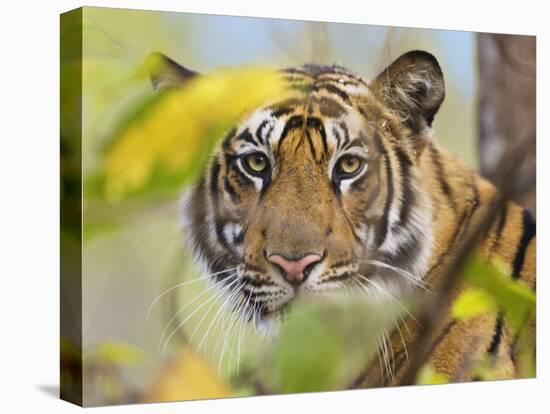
(294, 269)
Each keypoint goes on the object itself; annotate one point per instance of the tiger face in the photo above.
(318, 191)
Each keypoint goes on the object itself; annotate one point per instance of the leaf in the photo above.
(308, 356)
(118, 353)
(169, 138)
(188, 377)
(473, 302)
(325, 344)
(515, 299)
(428, 376)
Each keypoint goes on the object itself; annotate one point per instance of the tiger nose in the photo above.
(294, 270)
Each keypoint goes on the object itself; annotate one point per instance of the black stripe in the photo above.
(260, 130)
(346, 132)
(497, 336)
(214, 176)
(247, 137)
(331, 88)
(294, 122)
(220, 234)
(228, 187)
(311, 146)
(337, 136)
(529, 231)
(407, 194)
(382, 227)
(440, 175)
(356, 142)
(317, 124)
(501, 223)
(235, 198)
(268, 133)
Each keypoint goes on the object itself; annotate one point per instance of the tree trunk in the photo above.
(507, 103)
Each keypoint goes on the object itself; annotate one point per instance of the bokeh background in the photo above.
(132, 248)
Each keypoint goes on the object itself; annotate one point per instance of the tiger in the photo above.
(340, 182)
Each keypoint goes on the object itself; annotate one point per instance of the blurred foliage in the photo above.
(495, 288)
(163, 145)
(141, 145)
(118, 353)
(428, 376)
(472, 302)
(492, 290)
(170, 136)
(103, 367)
(186, 377)
(323, 345)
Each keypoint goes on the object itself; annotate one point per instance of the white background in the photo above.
(29, 204)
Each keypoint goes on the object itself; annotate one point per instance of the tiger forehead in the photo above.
(320, 105)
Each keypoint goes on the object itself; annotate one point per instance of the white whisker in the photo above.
(228, 332)
(242, 331)
(388, 294)
(187, 282)
(217, 316)
(191, 314)
(407, 275)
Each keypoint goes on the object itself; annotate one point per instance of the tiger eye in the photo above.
(257, 162)
(349, 164)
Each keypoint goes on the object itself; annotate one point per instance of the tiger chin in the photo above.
(340, 183)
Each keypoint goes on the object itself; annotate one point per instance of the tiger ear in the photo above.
(412, 87)
(166, 73)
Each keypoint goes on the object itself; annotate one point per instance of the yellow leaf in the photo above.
(428, 376)
(173, 135)
(188, 377)
(473, 302)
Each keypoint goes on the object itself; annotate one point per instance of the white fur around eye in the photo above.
(258, 182)
(346, 182)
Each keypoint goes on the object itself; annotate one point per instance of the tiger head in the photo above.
(319, 190)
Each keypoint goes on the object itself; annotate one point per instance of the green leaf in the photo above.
(516, 300)
(324, 345)
(473, 302)
(308, 355)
